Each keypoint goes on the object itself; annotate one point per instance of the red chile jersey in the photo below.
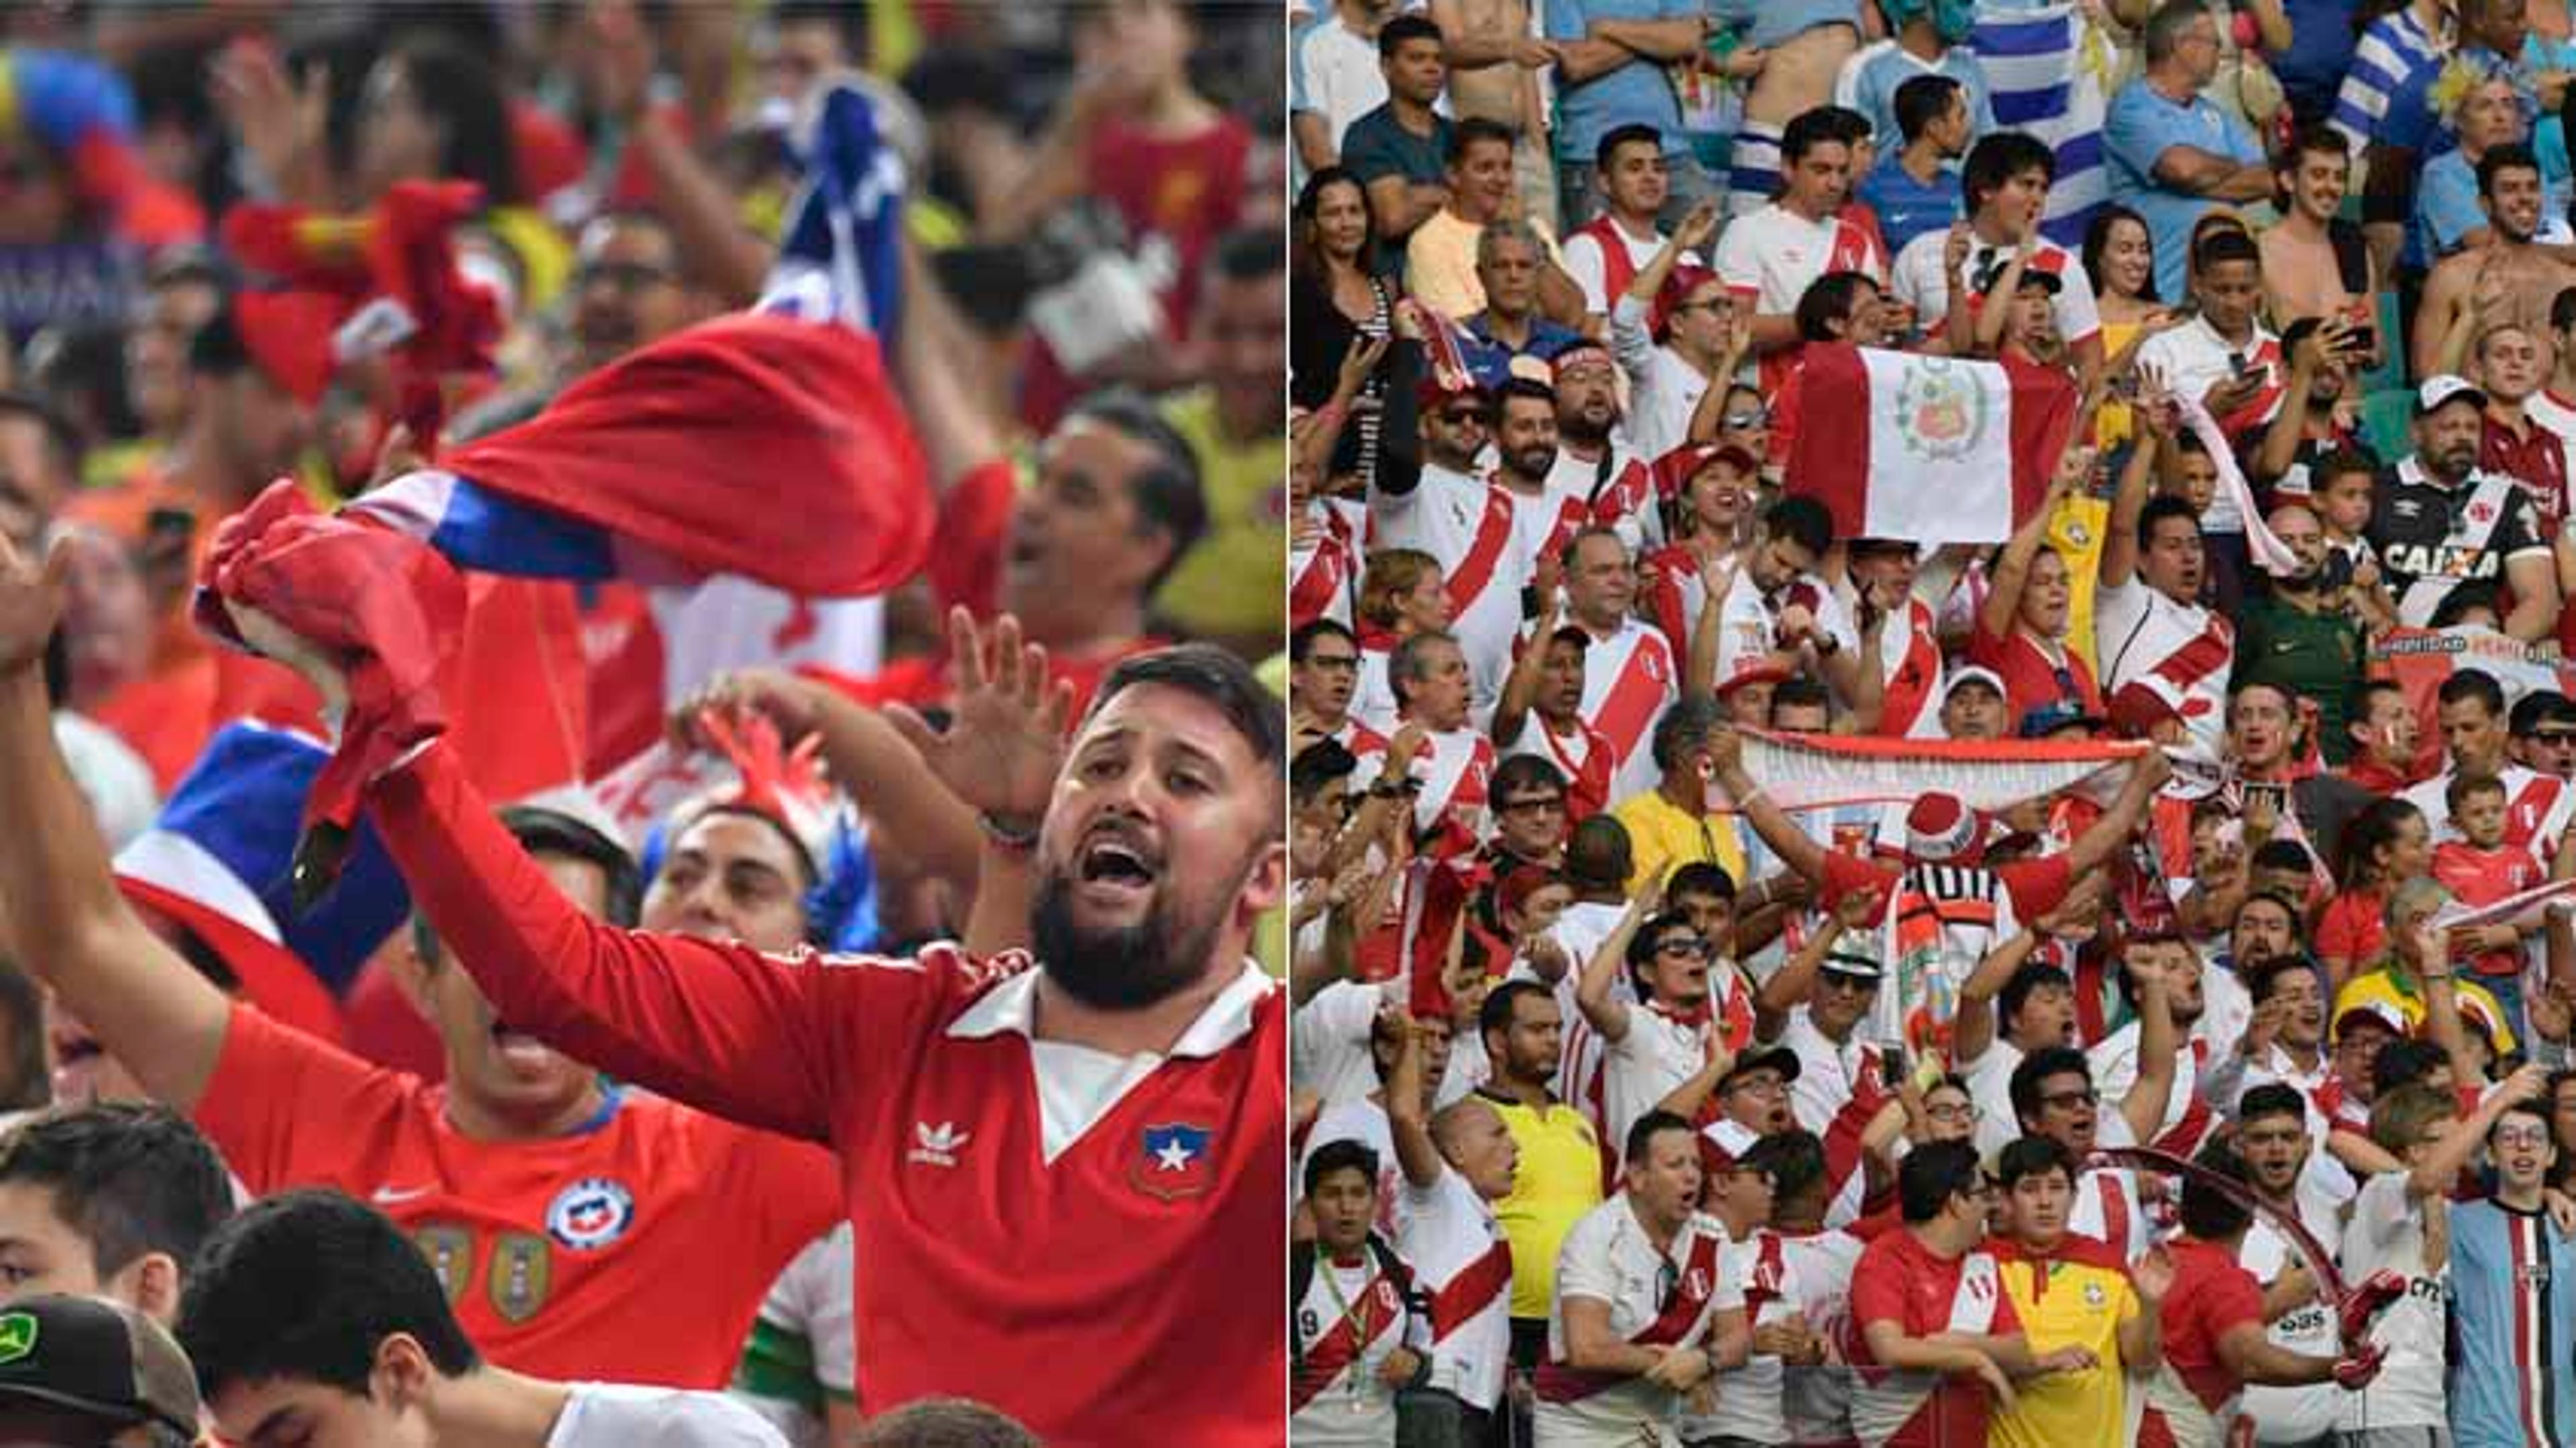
(1068, 1236)
(636, 1248)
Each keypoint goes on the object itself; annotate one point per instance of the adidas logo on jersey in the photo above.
(936, 1145)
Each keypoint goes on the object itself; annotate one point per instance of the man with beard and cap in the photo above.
(1455, 1164)
(1560, 1159)
(1116, 1088)
(2299, 632)
(2441, 522)
(2512, 280)
(1467, 523)
(1665, 1044)
(1629, 675)
(2287, 1173)
(1593, 459)
(1642, 1315)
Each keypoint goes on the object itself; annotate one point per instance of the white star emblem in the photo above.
(1173, 1156)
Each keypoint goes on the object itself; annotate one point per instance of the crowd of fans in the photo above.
(1740, 962)
(275, 1114)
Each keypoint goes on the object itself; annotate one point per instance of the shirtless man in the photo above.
(2302, 274)
(1494, 59)
(2508, 280)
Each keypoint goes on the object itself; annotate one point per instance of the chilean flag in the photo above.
(1933, 449)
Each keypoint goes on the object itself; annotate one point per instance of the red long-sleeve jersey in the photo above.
(1089, 1244)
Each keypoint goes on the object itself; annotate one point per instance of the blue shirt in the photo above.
(2513, 1314)
(1377, 146)
(1887, 65)
(2446, 209)
(1489, 361)
(1775, 22)
(1637, 93)
(1907, 208)
(2385, 96)
(2321, 46)
(2144, 125)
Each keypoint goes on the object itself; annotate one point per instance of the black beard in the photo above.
(1580, 428)
(1125, 969)
(1533, 464)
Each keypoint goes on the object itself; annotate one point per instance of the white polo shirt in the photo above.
(1607, 1257)
(607, 1415)
(1463, 1264)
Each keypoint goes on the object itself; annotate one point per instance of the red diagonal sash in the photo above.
(1558, 1383)
(1467, 581)
(1379, 1304)
(1468, 1293)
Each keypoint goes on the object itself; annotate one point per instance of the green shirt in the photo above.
(2316, 656)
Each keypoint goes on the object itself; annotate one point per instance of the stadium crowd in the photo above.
(775, 440)
(1932, 783)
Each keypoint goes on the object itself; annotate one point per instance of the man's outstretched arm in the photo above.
(64, 918)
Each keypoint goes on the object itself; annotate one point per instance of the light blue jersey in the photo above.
(2513, 1321)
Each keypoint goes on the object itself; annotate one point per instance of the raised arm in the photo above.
(1793, 982)
(1592, 993)
(2289, 423)
(2158, 1046)
(2002, 609)
(65, 920)
(2129, 499)
(2141, 1333)
(1973, 1030)
(1406, 1120)
(1999, 298)
(1772, 823)
(2113, 829)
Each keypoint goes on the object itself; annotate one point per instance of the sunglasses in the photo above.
(1543, 804)
(1683, 947)
(2069, 1100)
(1742, 420)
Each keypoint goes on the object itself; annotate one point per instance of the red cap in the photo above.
(289, 335)
(1757, 673)
(1431, 392)
(1678, 285)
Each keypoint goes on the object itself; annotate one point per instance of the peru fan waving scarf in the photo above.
(769, 445)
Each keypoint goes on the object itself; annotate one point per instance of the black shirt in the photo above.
(2431, 539)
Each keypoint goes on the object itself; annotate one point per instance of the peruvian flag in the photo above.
(1933, 449)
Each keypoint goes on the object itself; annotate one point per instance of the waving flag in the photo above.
(2046, 68)
(1932, 449)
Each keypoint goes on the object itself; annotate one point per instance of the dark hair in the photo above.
(1830, 299)
(1393, 34)
(127, 1179)
(1213, 674)
(1648, 936)
(1306, 256)
(1247, 254)
(1301, 641)
(2282, 855)
(2033, 975)
(2357, 703)
(2162, 507)
(2225, 245)
(1598, 852)
(1846, 125)
(2457, 792)
(2038, 1066)
(543, 831)
(2209, 1214)
(943, 1423)
(1806, 131)
(1636, 133)
(1920, 101)
(2562, 310)
(1496, 1013)
(1700, 877)
(1802, 520)
(2097, 240)
(461, 93)
(1341, 1154)
(2272, 1098)
(1525, 771)
(1933, 1173)
(2404, 1061)
(2475, 684)
(1473, 129)
(2354, 458)
(1795, 1159)
(1168, 493)
(2532, 1109)
(1643, 1131)
(2370, 831)
(1530, 389)
(1996, 158)
(1317, 765)
(2164, 27)
(1799, 692)
(2312, 138)
(1686, 725)
(2033, 1156)
(306, 1285)
(2511, 156)
(217, 348)
(2466, 597)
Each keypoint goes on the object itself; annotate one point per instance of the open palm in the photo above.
(1005, 736)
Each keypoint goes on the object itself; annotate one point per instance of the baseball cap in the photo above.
(98, 1358)
(1975, 674)
(2056, 714)
(1758, 1057)
(1431, 393)
(2384, 1012)
(1754, 673)
(2441, 390)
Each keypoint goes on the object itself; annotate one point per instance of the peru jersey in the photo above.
(1468, 524)
(1462, 1265)
(1581, 755)
(636, 1249)
(1041, 1226)
(1353, 1316)
(1629, 679)
(1608, 1258)
(1784, 1275)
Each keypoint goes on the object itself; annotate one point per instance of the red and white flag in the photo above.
(1933, 449)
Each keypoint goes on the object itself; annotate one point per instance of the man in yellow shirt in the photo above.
(1671, 825)
(1230, 587)
(1559, 1177)
(2071, 1292)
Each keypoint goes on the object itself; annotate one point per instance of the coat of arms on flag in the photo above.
(1172, 1162)
(1933, 449)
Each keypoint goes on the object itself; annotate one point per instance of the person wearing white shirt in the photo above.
(1676, 335)
(2272, 1136)
(2053, 1096)
(1604, 254)
(1999, 1025)
(1360, 1331)
(1330, 1050)
(1642, 1313)
(1338, 78)
(1662, 1052)
(1366, 1119)
(1769, 258)
(1456, 1164)
(2005, 181)
(2164, 654)
(266, 1281)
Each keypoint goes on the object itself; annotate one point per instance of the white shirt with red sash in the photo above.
(1919, 280)
(1664, 1047)
(1674, 595)
(1629, 680)
(1910, 661)
(2188, 1119)
(1784, 1275)
(1545, 521)
(1351, 1319)
(2107, 1205)
(1603, 257)
(2537, 808)
(1463, 1266)
(2181, 653)
(1324, 567)
(1655, 1299)
(1618, 490)
(1581, 754)
(1829, 1074)
(1456, 767)
(2193, 358)
(1468, 525)
(1749, 621)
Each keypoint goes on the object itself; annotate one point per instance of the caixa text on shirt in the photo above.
(2442, 560)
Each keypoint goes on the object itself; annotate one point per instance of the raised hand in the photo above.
(2153, 1277)
(1361, 360)
(1697, 227)
(279, 121)
(31, 603)
(1005, 739)
(788, 701)
(1861, 907)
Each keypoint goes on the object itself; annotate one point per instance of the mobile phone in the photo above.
(2239, 364)
(2269, 792)
(2361, 341)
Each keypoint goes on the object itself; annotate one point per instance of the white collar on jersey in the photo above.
(1013, 1006)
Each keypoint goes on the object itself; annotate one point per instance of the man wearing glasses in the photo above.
(1323, 672)
(1593, 459)
(2513, 1293)
(1669, 1049)
(2053, 1096)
